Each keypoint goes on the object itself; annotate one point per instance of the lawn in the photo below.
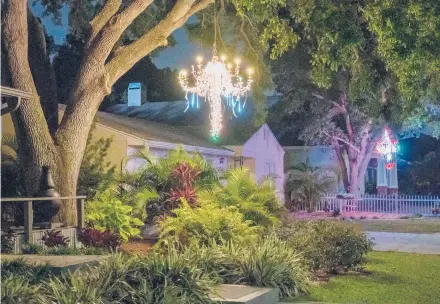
(393, 278)
(404, 225)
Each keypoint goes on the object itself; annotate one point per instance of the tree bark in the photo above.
(42, 71)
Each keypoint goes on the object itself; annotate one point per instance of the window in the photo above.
(269, 168)
(132, 162)
(238, 162)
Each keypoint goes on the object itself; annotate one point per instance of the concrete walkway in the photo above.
(406, 242)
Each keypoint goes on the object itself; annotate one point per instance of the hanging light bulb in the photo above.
(217, 82)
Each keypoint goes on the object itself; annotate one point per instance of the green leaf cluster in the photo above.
(107, 212)
(205, 224)
(256, 201)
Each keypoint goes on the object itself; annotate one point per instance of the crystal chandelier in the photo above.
(388, 148)
(219, 84)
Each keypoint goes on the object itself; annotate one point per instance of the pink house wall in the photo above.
(268, 155)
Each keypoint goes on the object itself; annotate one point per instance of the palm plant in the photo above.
(257, 201)
(308, 184)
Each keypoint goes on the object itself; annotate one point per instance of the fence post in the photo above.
(28, 221)
(396, 203)
(80, 213)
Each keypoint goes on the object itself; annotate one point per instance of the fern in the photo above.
(204, 224)
(257, 201)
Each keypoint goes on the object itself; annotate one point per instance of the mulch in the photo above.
(137, 246)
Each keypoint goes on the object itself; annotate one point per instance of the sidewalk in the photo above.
(406, 242)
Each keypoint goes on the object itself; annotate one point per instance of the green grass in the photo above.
(403, 225)
(394, 278)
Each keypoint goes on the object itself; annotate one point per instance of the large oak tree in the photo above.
(360, 64)
(105, 58)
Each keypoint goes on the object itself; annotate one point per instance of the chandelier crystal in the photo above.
(219, 84)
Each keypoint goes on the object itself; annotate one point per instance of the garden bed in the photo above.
(137, 246)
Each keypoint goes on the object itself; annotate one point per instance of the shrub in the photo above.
(173, 278)
(33, 273)
(105, 283)
(328, 246)
(90, 237)
(54, 238)
(257, 201)
(8, 241)
(204, 224)
(17, 289)
(107, 212)
(76, 251)
(31, 248)
(119, 279)
(268, 262)
(96, 174)
(73, 288)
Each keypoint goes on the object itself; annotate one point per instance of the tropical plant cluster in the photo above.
(170, 276)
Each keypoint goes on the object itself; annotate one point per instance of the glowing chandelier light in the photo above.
(388, 148)
(219, 84)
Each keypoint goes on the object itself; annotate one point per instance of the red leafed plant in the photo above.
(188, 193)
(54, 238)
(184, 176)
(90, 237)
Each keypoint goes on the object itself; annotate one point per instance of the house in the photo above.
(263, 154)
(156, 128)
(377, 178)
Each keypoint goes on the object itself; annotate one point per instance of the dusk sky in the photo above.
(180, 56)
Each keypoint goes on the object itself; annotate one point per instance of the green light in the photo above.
(215, 137)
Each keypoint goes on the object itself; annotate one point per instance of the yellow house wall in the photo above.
(120, 142)
(118, 147)
(7, 125)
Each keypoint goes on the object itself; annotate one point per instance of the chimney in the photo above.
(134, 95)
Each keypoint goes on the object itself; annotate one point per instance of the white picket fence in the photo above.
(397, 204)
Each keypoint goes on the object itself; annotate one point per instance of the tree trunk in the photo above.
(36, 147)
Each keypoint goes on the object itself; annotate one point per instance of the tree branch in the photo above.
(342, 140)
(334, 103)
(365, 134)
(127, 56)
(97, 23)
(246, 37)
(342, 164)
(114, 27)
